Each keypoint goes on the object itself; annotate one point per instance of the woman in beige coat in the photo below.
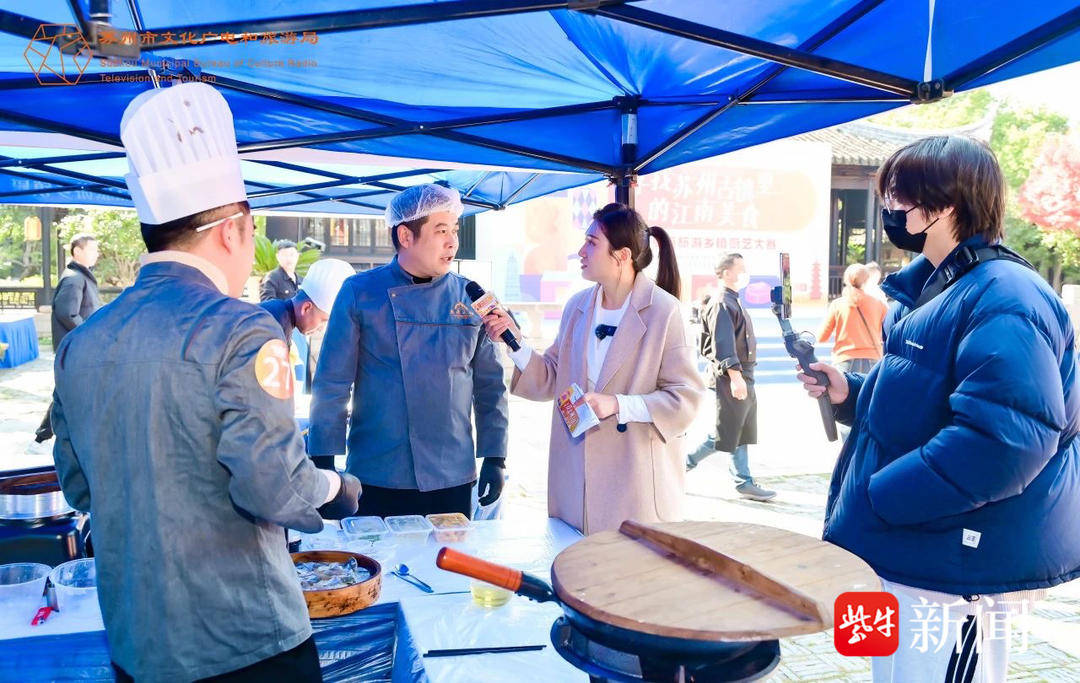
(623, 342)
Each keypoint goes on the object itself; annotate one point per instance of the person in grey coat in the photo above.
(75, 299)
(174, 425)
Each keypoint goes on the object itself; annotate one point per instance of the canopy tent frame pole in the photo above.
(483, 176)
(626, 178)
(137, 22)
(366, 19)
(343, 179)
(747, 45)
(313, 197)
(55, 127)
(51, 190)
(380, 119)
(435, 127)
(33, 82)
(345, 198)
(288, 166)
(276, 190)
(46, 253)
(513, 195)
(838, 100)
(85, 177)
(99, 137)
(72, 158)
(81, 20)
(62, 183)
(272, 190)
(815, 41)
(1015, 49)
(23, 26)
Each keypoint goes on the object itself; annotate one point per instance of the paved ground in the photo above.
(793, 457)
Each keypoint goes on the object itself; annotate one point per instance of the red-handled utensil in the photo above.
(497, 575)
(48, 596)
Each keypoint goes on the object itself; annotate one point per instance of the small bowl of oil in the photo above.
(487, 595)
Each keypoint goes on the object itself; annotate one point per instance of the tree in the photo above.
(19, 258)
(266, 257)
(1016, 136)
(119, 237)
(1051, 195)
(961, 109)
(1050, 198)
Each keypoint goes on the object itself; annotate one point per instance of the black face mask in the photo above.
(895, 223)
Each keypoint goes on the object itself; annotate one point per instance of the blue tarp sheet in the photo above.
(537, 91)
(371, 645)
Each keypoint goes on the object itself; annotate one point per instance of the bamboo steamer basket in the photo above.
(336, 602)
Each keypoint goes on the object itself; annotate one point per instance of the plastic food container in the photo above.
(365, 528)
(76, 585)
(21, 586)
(450, 527)
(409, 529)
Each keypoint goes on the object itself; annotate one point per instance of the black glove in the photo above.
(490, 486)
(345, 502)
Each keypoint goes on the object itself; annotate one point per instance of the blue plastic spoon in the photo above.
(402, 572)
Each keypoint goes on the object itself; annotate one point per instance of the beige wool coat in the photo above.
(605, 476)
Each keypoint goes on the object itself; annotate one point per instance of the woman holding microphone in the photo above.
(623, 343)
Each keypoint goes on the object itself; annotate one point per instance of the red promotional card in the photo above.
(866, 624)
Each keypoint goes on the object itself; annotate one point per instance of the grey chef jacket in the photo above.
(282, 310)
(419, 364)
(189, 470)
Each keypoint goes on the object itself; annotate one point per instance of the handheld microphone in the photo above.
(484, 303)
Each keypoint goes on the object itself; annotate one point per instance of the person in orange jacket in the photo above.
(855, 317)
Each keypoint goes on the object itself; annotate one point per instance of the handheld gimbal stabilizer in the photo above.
(798, 346)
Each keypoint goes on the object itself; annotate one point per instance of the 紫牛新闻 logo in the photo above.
(58, 54)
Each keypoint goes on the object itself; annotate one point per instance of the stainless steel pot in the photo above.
(26, 497)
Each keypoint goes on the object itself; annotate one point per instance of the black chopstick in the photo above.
(482, 650)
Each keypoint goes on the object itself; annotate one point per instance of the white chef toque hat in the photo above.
(323, 281)
(181, 148)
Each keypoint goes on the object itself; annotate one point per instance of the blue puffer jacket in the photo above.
(961, 472)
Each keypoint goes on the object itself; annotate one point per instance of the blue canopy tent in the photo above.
(544, 94)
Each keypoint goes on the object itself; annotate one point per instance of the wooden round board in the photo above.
(633, 584)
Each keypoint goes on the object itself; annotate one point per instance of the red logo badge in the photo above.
(866, 624)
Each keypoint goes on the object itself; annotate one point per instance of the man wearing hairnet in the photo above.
(174, 425)
(404, 340)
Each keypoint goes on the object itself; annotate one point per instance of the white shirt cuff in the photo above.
(334, 479)
(632, 408)
(522, 356)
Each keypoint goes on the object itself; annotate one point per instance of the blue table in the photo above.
(17, 330)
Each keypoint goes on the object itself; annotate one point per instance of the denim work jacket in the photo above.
(189, 469)
(419, 364)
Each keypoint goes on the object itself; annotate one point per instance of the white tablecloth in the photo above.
(446, 619)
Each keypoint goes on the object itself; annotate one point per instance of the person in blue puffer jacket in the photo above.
(960, 483)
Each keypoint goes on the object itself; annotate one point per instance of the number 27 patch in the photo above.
(272, 369)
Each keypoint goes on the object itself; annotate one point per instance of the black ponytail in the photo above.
(625, 228)
(667, 272)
